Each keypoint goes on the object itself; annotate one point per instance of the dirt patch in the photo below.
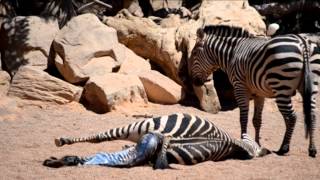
(27, 131)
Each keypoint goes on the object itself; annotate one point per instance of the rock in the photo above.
(164, 46)
(133, 63)
(105, 93)
(159, 88)
(158, 5)
(232, 13)
(4, 82)
(99, 66)
(169, 47)
(9, 108)
(26, 41)
(208, 98)
(173, 20)
(133, 7)
(80, 40)
(34, 84)
(150, 42)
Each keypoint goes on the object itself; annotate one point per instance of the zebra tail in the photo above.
(307, 91)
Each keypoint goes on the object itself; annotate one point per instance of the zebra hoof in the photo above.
(53, 162)
(59, 142)
(65, 161)
(312, 153)
(283, 150)
(264, 152)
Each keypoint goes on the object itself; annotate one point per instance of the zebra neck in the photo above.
(223, 51)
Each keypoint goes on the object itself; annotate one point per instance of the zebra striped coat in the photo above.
(258, 68)
(184, 139)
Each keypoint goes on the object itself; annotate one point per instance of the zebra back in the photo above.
(175, 125)
(226, 31)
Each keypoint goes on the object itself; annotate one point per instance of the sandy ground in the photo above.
(27, 131)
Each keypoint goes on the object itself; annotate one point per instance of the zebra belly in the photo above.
(200, 152)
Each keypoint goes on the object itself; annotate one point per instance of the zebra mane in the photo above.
(226, 31)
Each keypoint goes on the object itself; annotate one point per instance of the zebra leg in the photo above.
(162, 161)
(143, 152)
(242, 98)
(140, 154)
(257, 116)
(252, 147)
(286, 109)
(68, 140)
(65, 161)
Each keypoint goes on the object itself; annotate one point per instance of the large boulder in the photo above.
(82, 39)
(150, 42)
(4, 82)
(158, 5)
(169, 47)
(208, 98)
(159, 88)
(133, 7)
(34, 84)
(232, 13)
(105, 93)
(99, 66)
(26, 41)
(133, 63)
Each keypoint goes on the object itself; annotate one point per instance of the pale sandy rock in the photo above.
(82, 39)
(157, 5)
(159, 88)
(173, 20)
(99, 66)
(168, 47)
(105, 93)
(208, 98)
(26, 41)
(34, 84)
(150, 42)
(4, 82)
(133, 63)
(133, 7)
(232, 13)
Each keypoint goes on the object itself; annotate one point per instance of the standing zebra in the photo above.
(176, 138)
(259, 68)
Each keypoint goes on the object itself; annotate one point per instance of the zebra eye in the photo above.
(194, 53)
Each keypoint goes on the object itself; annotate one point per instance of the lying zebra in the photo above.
(176, 138)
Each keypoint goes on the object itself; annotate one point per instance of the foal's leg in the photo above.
(143, 152)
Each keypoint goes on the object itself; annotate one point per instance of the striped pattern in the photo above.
(192, 139)
(259, 68)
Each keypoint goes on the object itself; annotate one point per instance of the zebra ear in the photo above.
(200, 33)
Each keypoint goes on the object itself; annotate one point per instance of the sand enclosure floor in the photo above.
(27, 131)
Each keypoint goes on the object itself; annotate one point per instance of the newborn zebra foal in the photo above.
(176, 138)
